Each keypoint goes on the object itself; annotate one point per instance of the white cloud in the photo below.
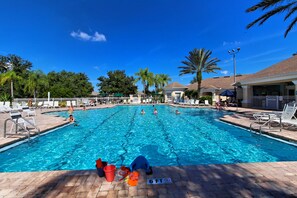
(97, 68)
(97, 37)
(225, 72)
(236, 43)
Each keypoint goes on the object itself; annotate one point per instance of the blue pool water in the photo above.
(118, 135)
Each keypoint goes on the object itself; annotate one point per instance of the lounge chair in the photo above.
(206, 103)
(56, 104)
(27, 112)
(197, 103)
(68, 103)
(16, 116)
(287, 116)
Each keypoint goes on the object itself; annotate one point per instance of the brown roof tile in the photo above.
(175, 85)
(282, 68)
(218, 82)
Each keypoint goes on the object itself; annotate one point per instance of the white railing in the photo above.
(271, 102)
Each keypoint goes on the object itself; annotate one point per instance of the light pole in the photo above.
(233, 52)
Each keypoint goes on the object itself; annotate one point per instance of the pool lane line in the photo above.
(216, 142)
(127, 137)
(167, 139)
(69, 153)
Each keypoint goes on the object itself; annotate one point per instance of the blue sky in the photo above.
(95, 36)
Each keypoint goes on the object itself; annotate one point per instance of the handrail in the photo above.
(20, 125)
(267, 122)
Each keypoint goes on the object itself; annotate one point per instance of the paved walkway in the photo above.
(236, 180)
(277, 179)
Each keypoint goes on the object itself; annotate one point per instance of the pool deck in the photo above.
(277, 179)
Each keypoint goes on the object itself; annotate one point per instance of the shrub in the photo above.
(209, 98)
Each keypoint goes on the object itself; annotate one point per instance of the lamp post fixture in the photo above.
(233, 52)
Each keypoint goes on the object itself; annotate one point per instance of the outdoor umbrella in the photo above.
(227, 93)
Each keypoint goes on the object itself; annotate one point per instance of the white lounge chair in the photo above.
(287, 116)
(206, 103)
(68, 103)
(196, 103)
(74, 103)
(56, 104)
(27, 112)
(17, 117)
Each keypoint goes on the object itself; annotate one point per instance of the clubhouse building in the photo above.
(269, 88)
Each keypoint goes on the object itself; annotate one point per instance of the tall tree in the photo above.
(21, 69)
(117, 82)
(36, 82)
(289, 7)
(9, 76)
(194, 80)
(164, 80)
(157, 82)
(68, 84)
(198, 61)
(146, 77)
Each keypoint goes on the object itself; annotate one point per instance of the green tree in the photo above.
(146, 77)
(68, 84)
(194, 80)
(160, 80)
(157, 82)
(164, 80)
(198, 61)
(21, 69)
(36, 82)
(116, 82)
(289, 7)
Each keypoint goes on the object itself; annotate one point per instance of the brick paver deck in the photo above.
(277, 179)
(237, 180)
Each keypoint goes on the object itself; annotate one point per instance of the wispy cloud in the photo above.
(232, 43)
(264, 54)
(96, 37)
(225, 72)
(97, 68)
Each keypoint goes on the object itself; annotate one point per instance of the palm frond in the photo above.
(290, 26)
(279, 6)
(293, 10)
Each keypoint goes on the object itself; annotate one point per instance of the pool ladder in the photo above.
(265, 123)
(17, 124)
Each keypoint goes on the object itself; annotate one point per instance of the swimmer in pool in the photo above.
(142, 112)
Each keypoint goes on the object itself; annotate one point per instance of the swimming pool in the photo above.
(118, 135)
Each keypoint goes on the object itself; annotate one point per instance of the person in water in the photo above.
(71, 118)
(177, 112)
(71, 109)
(155, 111)
(142, 112)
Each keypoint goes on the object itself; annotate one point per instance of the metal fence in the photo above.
(271, 102)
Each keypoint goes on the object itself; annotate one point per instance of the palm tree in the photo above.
(193, 80)
(277, 7)
(35, 80)
(199, 61)
(164, 80)
(157, 82)
(146, 77)
(9, 76)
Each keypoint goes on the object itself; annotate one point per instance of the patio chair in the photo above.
(27, 112)
(16, 116)
(56, 104)
(68, 103)
(287, 116)
(206, 103)
(196, 102)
